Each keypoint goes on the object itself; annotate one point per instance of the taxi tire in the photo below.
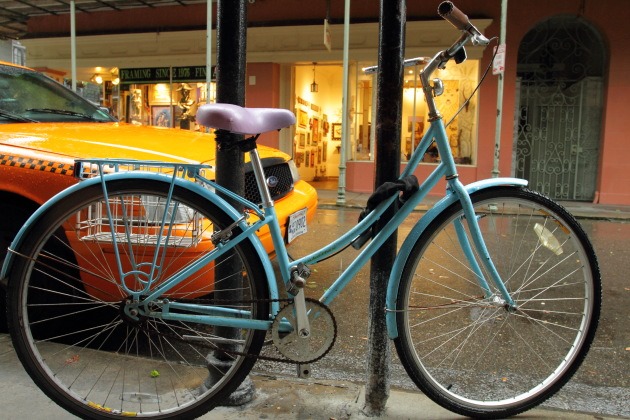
(13, 217)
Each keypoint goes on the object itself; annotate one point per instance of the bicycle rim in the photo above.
(81, 344)
(469, 353)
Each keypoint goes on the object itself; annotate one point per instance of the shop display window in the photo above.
(164, 105)
(318, 131)
(459, 82)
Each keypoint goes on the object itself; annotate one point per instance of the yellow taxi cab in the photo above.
(44, 127)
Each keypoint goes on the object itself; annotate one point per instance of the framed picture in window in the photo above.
(315, 130)
(302, 118)
(161, 116)
(336, 131)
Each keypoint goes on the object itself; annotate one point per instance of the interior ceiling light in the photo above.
(115, 78)
(314, 86)
(97, 78)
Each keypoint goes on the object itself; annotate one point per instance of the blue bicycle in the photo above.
(145, 291)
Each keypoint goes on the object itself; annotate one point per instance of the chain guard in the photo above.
(304, 350)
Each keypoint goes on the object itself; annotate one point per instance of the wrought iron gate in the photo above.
(560, 89)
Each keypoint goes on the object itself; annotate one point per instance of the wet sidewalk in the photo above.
(276, 397)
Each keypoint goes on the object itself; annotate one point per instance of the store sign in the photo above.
(163, 74)
(327, 36)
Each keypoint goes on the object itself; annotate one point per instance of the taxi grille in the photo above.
(272, 167)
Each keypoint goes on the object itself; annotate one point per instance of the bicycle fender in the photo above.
(194, 187)
(416, 232)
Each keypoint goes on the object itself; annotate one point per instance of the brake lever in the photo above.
(478, 38)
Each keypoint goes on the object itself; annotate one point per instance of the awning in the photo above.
(14, 14)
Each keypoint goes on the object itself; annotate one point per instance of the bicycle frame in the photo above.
(456, 191)
(267, 217)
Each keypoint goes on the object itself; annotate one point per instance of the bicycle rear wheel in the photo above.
(94, 354)
(469, 353)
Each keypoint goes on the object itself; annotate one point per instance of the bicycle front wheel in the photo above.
(73, 320)
(465, 349)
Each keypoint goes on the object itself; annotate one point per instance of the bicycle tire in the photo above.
(473, 356)
(92, 357)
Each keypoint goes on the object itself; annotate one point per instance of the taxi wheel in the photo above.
(13, 217)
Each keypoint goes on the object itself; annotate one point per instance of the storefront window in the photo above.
(19, 53)
(148, 97)
(362, 146)
(459, 82)
(317, 133)
(163, 104)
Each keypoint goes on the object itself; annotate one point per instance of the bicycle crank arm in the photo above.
(303, 327)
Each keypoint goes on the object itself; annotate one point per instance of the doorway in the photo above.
(560, 94)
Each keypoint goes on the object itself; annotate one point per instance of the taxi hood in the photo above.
(116, 140)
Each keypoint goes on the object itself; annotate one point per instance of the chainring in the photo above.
(323, 332)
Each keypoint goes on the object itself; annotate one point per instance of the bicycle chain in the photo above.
(287, 301)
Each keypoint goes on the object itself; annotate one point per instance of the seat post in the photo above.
(259, 174)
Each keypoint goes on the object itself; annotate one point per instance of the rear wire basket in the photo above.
(138, 219)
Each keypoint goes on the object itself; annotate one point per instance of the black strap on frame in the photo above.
(406, 186)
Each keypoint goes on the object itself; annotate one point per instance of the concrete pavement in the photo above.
(277, 397)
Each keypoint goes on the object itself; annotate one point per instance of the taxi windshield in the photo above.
(29, 96)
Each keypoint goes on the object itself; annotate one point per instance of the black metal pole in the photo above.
(231, 70)
(231, 45)
(388, 122)
(231, 66)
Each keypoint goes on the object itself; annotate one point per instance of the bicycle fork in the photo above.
(481, 250)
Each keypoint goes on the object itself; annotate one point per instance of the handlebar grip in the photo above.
(452, 14)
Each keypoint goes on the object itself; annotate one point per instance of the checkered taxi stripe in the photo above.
(36, 164)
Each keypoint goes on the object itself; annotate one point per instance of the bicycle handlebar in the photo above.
(454, 16)
(458, 19)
